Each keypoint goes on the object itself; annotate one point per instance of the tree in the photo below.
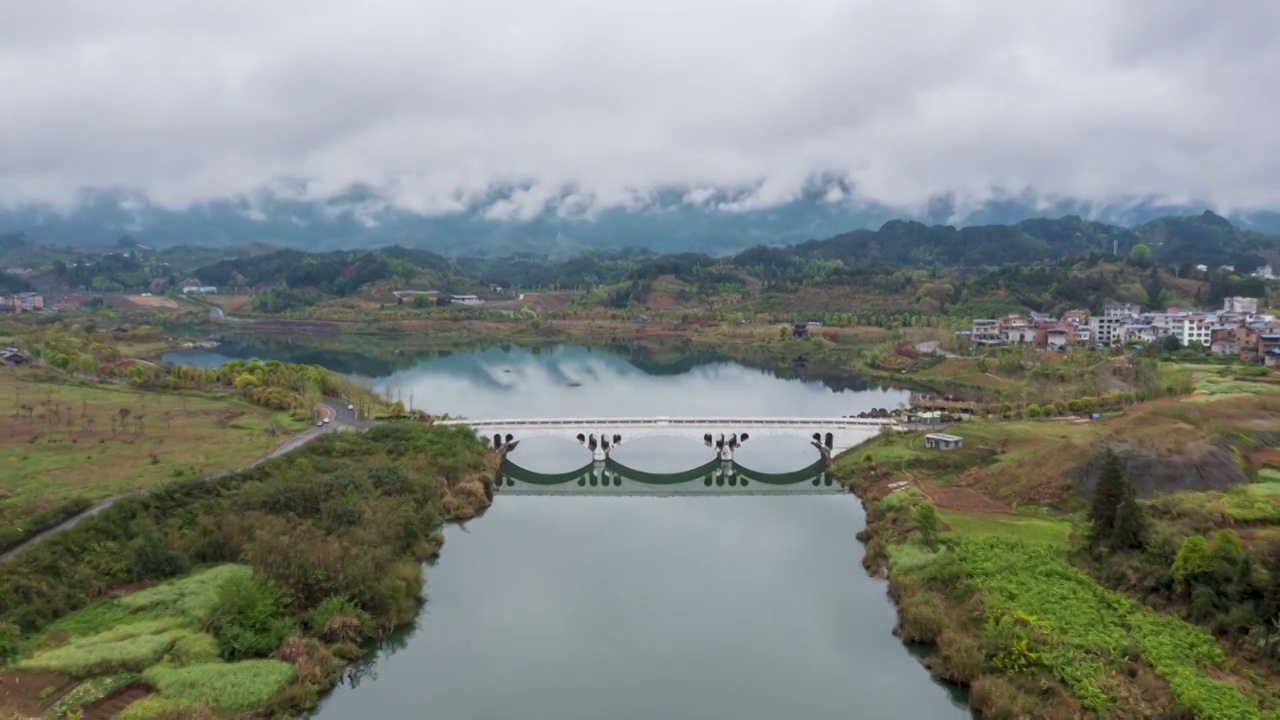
(1225, 551)
(926, 522)
(1130, 529)
(1117, 518)
(1171, 343)
(1140, 255)
(1192, 561)
(1107, 497)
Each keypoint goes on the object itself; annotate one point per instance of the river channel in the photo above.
(634, 599)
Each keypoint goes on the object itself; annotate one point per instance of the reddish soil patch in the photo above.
(108, 706)
(1266, 458)
(25, 695)
(964, 499)
(659, 300)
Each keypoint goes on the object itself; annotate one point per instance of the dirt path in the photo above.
(25, 695)
(107, 707)
(337, 414)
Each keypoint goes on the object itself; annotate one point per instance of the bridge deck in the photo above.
(660, 422)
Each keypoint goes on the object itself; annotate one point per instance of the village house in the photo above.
(943, 441)
(1076, 317)
(1017, 330)
(24, 302)
(986, 332)
(1238, 329)
(1193, 331)
(1244, 305)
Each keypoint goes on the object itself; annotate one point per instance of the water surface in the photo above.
(635, 608)
(690, 606)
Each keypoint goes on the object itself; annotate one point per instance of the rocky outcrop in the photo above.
(1199, 467)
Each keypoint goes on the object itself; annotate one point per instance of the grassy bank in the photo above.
(984, 551)
(258, 587)
(66, 444)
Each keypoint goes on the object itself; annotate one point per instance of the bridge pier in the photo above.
(723, 436)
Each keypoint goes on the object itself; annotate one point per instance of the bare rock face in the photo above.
(1199, 467)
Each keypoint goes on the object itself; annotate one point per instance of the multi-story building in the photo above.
(1246, 305)
(1016, 329)
(986, 332)
(1193, 331)
(1122, 310)
(1139, 332)
(1106, 328)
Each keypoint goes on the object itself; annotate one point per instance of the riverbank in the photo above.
(322, 576)
(983, 550)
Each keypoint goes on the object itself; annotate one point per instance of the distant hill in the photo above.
(849, 259)
(1207, 239)
(669, 223)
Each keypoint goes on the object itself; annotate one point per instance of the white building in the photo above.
(1245, 305)
(1193, 332)
(199, 290)
(1140, 333)
(1264, 272)
(1122, 310)
(465, 299)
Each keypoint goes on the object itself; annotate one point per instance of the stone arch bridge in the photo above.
(832, 435)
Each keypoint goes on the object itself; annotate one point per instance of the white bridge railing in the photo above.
(663, 421)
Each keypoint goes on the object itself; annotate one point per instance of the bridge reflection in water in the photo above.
(714, 478)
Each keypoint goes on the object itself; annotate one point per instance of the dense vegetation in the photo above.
(1144, 582)
(331, 539)
(1039, 263)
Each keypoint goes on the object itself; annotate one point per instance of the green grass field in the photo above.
(154, 634)
(1048, 531)
(69, 440)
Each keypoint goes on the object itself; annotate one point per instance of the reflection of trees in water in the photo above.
(366, 668)
(385, 357)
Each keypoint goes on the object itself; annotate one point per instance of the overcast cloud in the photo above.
(435, 102)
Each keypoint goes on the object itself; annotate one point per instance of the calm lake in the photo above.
(600, 601)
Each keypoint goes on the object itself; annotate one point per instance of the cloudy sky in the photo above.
(434, 102)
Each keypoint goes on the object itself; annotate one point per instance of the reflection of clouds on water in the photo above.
(475, 384)
(769, 453)
(657, 454)
(666, 454)
(550, 455)
(636, 608)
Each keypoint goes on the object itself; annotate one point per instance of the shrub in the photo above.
(338, 620)
(192, 598)
(231, 687)
(196, 649)
(161, 708)
(89, 657)
(250, 619)
(153, 557)
(10, 637)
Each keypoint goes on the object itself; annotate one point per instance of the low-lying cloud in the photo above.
(593, 105)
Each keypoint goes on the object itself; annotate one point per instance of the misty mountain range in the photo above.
(669, 223)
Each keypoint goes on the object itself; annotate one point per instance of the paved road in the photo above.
(339, 417)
